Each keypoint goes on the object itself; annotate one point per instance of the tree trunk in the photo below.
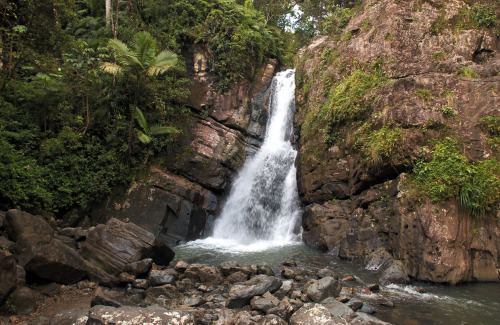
(108, 13)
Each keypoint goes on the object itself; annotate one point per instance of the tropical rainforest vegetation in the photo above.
(81, 81)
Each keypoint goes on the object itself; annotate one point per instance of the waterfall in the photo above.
(262, 208)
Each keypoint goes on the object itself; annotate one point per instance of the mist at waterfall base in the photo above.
(259, 225)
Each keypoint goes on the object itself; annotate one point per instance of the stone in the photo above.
(241, 294)
(71, 317)
(193, 301)
(81, 234)
(368, 309)
(395, 273)
(366, 291)
(265, 269)
(314, 314)
(326, 272)
(8, 275)
(206, 274)
(43, 320)
(38, 252)
(50, 289)
(68, 232)
(349, 278)
(139, 268)
(24, 299)
(355, 304)
(374, 287)
(181, 266)
(285, 290)
(158, 278)
(272, 320)
(140, 284)
(237, 277)
(289, 263)
(134, 315)
(323, 288)
(288, 273)
(126, 278)
(337, 308)
(113, 246)
(21, 275)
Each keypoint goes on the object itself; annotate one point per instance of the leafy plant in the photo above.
(383, 144)
(490, 124)
(449, 175)
(447, 111)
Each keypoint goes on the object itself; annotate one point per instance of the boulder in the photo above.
(315, 314)
(71, 317)
(8, 275)
(285, 289)
(395, 273)
(139, 268)
(337, 308)
(39, 253)
(106, 315)
(158, 278)
(113, 246)
(323, 288)
(241, 294)
(206, 274)
(24, 299)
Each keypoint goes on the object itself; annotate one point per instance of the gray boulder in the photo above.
(315, 314)
(324, 288)
(133, 315)
(24, 299)
(241, 294)
(365, 319)
(158, 278)
(394, 273)
(71, 317)
(337, 308)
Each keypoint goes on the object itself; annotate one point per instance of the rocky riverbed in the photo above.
(119, 273)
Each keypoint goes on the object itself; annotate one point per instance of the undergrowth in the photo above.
(450, 175)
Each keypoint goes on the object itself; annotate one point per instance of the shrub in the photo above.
(490, 124)
(467, 72)
(424, 94)
(449, 175)
(383, 144)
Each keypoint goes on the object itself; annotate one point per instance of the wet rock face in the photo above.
(423, 238)
(425, 72)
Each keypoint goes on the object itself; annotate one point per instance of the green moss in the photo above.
(449, 175)
(425, 95)
(447, 111)
(347, 36)
(467, 72)
(440, 24)
(388, 36)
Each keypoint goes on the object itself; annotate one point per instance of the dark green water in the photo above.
(477, 304)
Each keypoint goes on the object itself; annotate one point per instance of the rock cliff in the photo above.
(178, 199)
(397, 76)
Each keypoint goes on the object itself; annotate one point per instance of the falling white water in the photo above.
(262, 209)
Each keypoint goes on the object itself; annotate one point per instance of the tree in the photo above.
(140, 63)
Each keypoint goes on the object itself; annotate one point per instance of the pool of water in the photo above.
(415, 304)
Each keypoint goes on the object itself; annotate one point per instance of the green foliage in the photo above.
(336, 20)
(466, 72)
(476, 16)
(447, 111)
(383, 144)
(449, 175)
(425, 95)
(5, 248)
(350, 100)
(490, 124)
(388, 36)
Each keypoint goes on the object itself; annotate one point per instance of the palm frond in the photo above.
(112, 68)
(164, 60)
(143, 137)
(141, 120)
(124, 55)
(145, 48)
(159, 129)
